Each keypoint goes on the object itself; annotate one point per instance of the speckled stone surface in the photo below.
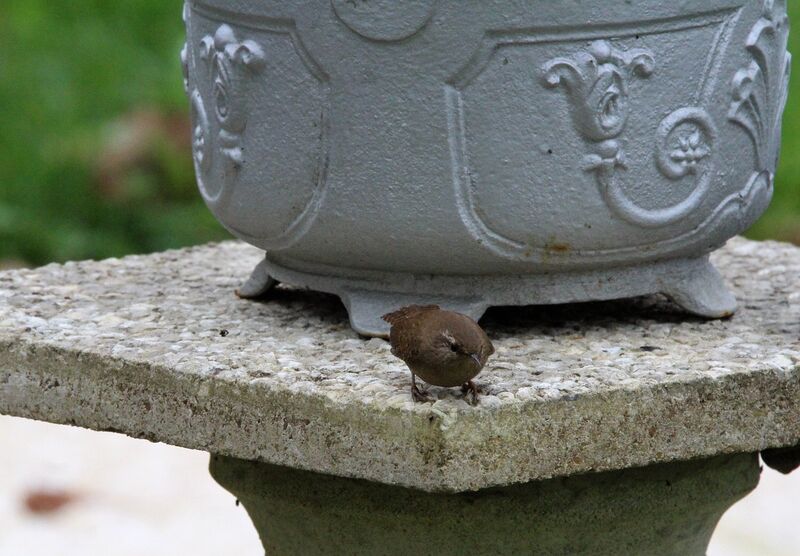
(159, 347)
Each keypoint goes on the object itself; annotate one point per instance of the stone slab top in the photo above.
(159, 347)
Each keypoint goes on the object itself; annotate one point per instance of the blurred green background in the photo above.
(94, 134)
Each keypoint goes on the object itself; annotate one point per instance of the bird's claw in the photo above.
(470, 388)
(419, 395)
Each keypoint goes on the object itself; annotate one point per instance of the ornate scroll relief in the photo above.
(684, 147)
(260, 126)
(185, 67)
(185, 51)
(759, 91)
(201, 146)
(384, 20)
(231, 64)
(597, 82)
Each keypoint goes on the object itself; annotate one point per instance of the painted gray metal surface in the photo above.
(477, 153)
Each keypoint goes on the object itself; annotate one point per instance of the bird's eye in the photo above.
(455, 347)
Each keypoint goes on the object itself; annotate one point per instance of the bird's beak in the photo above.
(477, 359)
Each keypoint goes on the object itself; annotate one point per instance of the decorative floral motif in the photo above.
(759, 90)
(685, 142)
(597, 81)
(231, 63)
(691, 150)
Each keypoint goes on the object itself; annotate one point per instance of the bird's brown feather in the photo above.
(418, 335)
(407, 312)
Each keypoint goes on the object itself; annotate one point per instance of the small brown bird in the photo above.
(443, 348)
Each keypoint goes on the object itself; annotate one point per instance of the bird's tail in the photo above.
(406, 312)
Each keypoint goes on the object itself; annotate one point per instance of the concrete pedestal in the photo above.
(661, 510)
(586, 411)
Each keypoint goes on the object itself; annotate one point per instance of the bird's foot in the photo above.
(419, 395)
(470, 388)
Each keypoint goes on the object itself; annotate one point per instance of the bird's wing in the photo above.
(406, 335)
(407, 312)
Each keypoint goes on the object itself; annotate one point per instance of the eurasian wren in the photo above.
(443, 348)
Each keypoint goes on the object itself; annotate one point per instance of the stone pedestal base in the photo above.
(666, 509)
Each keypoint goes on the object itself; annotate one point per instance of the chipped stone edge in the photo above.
(428, 450)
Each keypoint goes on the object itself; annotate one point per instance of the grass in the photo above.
(782, 219)
(86, 84)
(94, 144)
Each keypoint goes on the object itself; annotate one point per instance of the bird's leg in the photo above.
(473, 389)
(416, 393)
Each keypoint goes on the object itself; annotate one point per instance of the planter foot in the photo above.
(259, 283)
(692, 283)
(701, 290)
(366, 308)
(661, 510)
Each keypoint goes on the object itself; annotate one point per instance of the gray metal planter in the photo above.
(474, 153)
